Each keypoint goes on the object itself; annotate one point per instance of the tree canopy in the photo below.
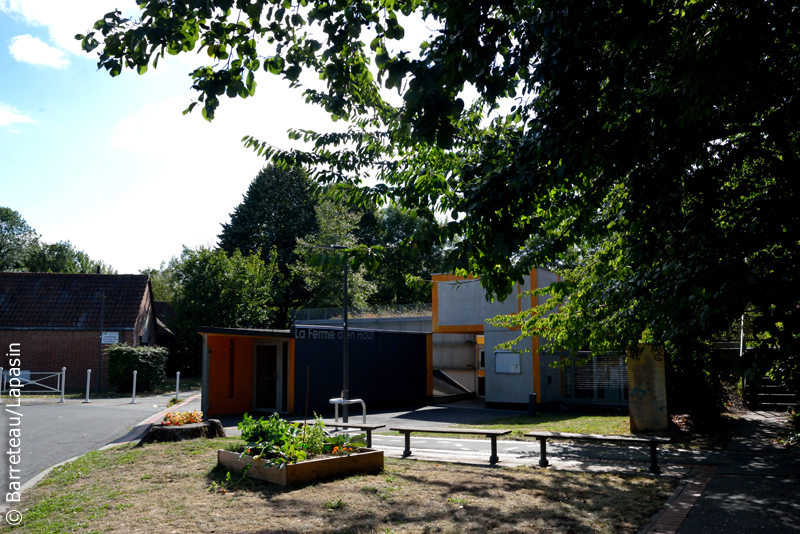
(336, 225)
(277, 209)
(63, 257)
(214, 288)
(649, 150)
(22, 250)
(16, 238)
(403, 275)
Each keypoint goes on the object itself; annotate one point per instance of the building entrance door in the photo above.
(267, 385)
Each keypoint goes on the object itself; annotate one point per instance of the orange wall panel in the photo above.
(219, 390)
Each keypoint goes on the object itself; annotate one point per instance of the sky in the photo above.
(111, 164)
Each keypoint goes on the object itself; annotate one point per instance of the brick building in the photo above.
(56, 320)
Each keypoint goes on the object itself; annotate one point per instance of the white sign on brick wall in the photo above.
(110, 338)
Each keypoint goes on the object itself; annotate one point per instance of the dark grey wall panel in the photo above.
(386, 368)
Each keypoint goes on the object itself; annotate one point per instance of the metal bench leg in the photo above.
(369, 439)
(654, 459)
(407, 452)
(493, 459)
(336, 412)
(543, 449)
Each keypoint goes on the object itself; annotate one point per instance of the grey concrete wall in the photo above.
(460, 302)
(508, 387)
(545, 279)
(512, 388)
(465, 377)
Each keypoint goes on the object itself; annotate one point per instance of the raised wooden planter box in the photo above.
(365, 461)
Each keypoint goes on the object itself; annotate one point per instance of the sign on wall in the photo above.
(507, 363)
(110, 338)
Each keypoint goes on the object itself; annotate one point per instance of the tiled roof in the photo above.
(70, 301)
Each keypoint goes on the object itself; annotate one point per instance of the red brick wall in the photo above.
(50, 350)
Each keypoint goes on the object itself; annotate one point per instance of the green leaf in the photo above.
(293, 73)
(190, 108)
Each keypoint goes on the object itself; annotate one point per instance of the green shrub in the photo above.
(149, 362)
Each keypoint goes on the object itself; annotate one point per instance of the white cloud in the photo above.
(10, 115)
(29, 49)
(65, 19)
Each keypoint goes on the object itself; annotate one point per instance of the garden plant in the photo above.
(280, 442)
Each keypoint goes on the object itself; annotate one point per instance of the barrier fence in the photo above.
(28, 381)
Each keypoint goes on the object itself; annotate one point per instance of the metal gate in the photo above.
(48, 382)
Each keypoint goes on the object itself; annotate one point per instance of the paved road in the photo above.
(52, 433)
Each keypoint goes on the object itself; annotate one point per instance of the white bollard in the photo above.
(88, 383)
(63, 383)
(177, 384)
(133, 400)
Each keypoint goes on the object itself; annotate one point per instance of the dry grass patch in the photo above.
(176, 487)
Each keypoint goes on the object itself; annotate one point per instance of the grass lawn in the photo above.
(581, 424)
(714, 436)
(177, 488)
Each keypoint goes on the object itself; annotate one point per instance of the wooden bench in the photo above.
(652, 442)
(493, 459)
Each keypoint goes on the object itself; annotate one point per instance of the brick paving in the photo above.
(681, 502)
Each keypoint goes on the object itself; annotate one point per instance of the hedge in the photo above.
(149, 362)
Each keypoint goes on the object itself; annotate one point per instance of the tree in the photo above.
(164, 280)
(16, 239)
(403, 270)
(63, 257)
(277, 209)
(217, 289)
(656, 142)
(324, 280)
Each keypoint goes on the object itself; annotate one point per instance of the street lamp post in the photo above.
(345, 354)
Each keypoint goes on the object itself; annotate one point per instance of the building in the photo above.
(56, 319)
(298, 371)
(455, 356)
(507, 378)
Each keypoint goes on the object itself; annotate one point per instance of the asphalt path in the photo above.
(53, 433)
(745, 504)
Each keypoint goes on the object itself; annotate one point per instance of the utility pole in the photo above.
(100, 350)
